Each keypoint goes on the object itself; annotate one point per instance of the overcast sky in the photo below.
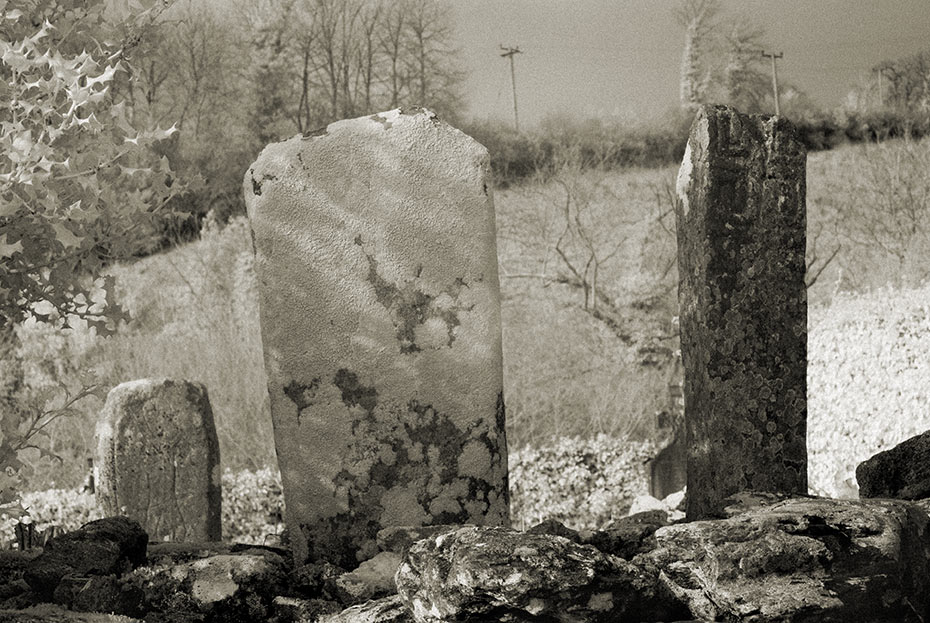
(622, 57)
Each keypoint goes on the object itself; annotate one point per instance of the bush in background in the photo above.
(869, 204)
(584, 483)
(868, 367)
(589, 143)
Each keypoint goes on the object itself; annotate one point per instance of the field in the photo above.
(588, 279)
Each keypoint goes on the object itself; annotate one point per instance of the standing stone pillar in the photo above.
(158, 459)
(380, 310)
(742, 306)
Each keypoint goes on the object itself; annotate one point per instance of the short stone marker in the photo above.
(742, 307)
(380, 310)
(158, 459)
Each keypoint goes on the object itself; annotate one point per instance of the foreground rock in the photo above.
(625, 537)
(222, 587)
(802, 560)
(47, 613)
(387, 610)
(497, 574)
(902, 472)
(768, 559)
(106, 547)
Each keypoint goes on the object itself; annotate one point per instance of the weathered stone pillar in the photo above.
(380, 309)
(158, 459)
(743, 306)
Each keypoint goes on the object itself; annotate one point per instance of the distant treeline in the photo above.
(594, 143)
(518, 157)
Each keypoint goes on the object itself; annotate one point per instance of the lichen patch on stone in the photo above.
(414, 312)
(303, 396)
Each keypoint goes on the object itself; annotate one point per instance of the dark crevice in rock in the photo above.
(321, 131)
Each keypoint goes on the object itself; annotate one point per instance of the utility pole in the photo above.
(774, 77)
(881, 91)
(510, 52)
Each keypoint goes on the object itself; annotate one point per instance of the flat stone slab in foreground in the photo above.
(380, 309)
(802, 560)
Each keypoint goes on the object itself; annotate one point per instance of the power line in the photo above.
(509, 53)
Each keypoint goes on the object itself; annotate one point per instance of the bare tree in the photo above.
(584, 245)
(367, 50)
(697, 16)
(391, 46)
(746, 83)
(430, 61)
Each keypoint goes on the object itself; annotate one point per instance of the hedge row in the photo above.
(518, 156)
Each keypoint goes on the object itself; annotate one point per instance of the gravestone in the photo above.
(742, 306)
(380, 310)
(158, 459)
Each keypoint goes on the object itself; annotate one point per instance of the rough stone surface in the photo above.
(97, 593)
(742, 306)
(902, 472)
(805, 559)
(110, 546)
(48, 613)
(399, 538)
(372, 579)
(624, 538)
(628, 536)
(739, 503)
(497, 574)
(386, 610)
(158, 459)
(672, 505)
(380, 309)
(555, 528)
(216, 585)
(297, 610)
(316, 579)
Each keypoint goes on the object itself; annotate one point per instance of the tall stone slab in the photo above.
(380, 310)
(158, 459)
(742, 306)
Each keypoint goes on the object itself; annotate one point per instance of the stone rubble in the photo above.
(768, 557)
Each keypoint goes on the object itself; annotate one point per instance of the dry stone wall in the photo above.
(158, 459)
(380, 310)
(743, 306)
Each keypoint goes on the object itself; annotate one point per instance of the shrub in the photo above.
(584, 483)
(867, 380)
(253, 505)
(588, 143)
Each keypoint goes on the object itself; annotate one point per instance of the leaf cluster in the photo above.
(78, 182)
